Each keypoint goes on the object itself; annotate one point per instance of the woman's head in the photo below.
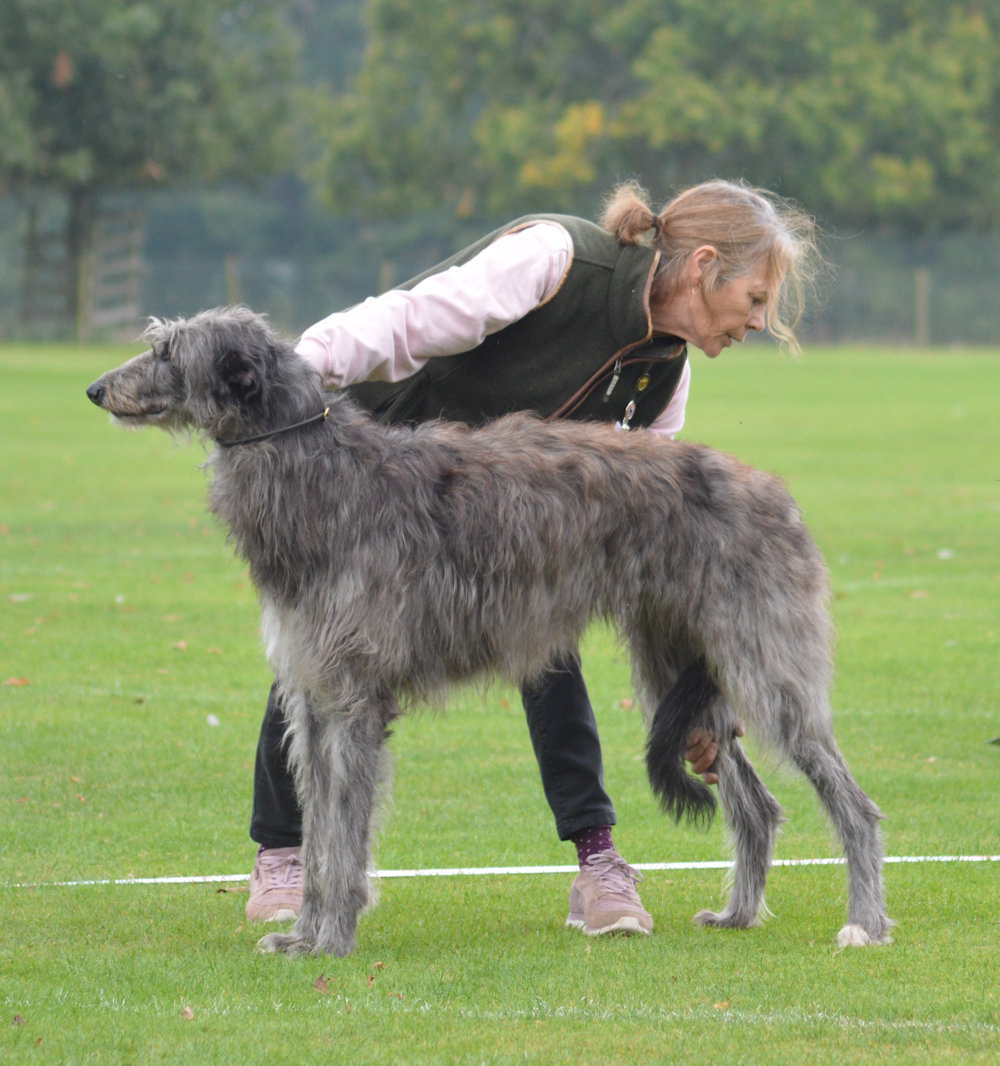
(717, 233)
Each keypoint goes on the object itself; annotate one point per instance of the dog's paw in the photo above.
(856, 936)
(291, 945)
(284, 944)
(725, 920)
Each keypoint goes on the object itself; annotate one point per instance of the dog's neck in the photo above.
(321, 417)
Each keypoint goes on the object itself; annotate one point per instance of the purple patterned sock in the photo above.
(590, 841)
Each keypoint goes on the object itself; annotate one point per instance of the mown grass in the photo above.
(133, 686)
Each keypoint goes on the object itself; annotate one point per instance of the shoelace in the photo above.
(615, 873)
(282, 871)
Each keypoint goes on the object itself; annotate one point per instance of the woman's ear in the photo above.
(703, 265)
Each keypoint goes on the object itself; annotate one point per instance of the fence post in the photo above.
(234, 292)
(85, 285)
(922, 306)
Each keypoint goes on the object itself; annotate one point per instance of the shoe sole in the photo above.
(282, 914)
(627, 925)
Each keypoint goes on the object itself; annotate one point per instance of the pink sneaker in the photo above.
(275, 885)
(603, 899)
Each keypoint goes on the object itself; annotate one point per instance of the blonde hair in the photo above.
(747, 227)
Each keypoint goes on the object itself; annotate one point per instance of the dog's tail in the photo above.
(684, 707)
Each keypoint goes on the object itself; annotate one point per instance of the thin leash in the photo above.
(321, 417)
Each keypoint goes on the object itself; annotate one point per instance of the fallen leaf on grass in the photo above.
(187, 1014)
(322, 984)
(17, 682)
(18, 1020)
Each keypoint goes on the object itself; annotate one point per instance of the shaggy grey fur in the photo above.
(393, 562)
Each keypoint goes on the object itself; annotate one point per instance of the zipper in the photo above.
(614, 365)
(616, 373)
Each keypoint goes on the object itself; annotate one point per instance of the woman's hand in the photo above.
(702, 750)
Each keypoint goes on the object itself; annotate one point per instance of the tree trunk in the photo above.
(81, 220)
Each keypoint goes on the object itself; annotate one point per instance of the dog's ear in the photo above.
(240, 373)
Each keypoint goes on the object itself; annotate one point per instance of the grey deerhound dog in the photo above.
(393, 562)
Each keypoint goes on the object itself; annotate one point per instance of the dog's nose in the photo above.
(96, 393)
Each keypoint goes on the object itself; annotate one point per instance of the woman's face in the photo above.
(730, 313)
(713, 321)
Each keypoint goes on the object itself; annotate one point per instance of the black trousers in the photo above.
(563, 733)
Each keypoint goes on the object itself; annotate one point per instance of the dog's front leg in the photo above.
(339, 762)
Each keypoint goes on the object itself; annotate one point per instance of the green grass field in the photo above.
(132, 685)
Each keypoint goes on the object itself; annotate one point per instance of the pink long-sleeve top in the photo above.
(390, 337)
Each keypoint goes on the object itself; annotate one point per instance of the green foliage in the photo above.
(453, 99)
(127, 623)
(884, 115)
(875, 114)
(103, 94)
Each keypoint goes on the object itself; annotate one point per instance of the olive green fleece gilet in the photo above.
(587, 353)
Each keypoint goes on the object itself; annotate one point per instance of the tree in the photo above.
(104, 96)
(455, 98)
(881, 114)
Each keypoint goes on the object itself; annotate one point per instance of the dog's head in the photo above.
(222, 373)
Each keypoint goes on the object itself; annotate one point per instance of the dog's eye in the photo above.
(162, 352)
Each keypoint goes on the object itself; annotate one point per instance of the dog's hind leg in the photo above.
(752, 813)
(856, 819)
(340, 765)
(753, 816)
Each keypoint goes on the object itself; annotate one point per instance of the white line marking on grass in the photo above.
(503, 871)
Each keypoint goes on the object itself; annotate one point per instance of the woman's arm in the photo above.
(389, 337)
